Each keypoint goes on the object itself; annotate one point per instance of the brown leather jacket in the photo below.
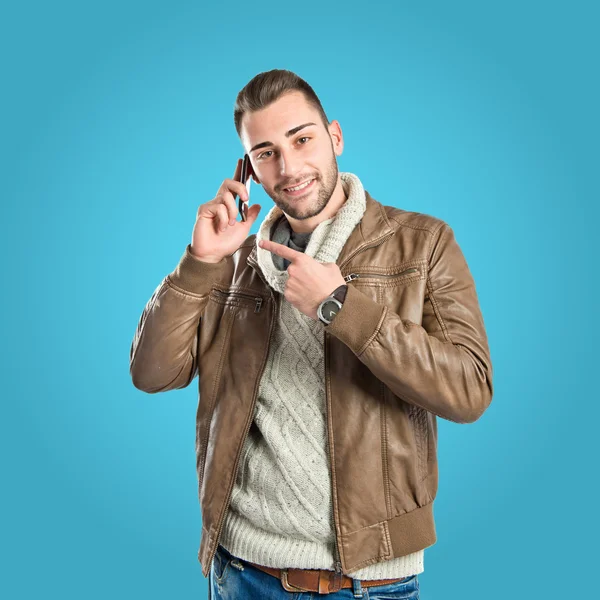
(408, 346)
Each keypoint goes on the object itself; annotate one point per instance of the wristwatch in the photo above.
(332, 304)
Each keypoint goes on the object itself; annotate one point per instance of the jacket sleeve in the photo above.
(163, 352)
(443, 365)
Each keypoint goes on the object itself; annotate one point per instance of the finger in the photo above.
(251, 213)
(237, 188)
(281, 250)
(222, 218)
(227, 199)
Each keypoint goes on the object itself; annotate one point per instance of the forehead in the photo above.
(273, 121)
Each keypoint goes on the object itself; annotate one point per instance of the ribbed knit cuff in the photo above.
(357, 321)
(196, 276)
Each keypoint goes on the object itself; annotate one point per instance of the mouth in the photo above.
(300, 190)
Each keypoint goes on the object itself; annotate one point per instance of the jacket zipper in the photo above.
(257, 299)
(250, 419)
(352, 276)
(338, 577)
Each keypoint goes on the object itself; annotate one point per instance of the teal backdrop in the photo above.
(116, 123)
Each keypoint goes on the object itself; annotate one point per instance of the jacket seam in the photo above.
(157, 294)
(386, 554)
(214, 393)
(432, 298)
(384, 452)
(331, 446)
(384, 215)
(436, 310)
(141, 327)
(415, 227)
(374, 334)
(235, 287)
(234, 301)
(384, 521)
(438, 414)
(416, 416)
(183, 292)
(384, 436)
(433, 232)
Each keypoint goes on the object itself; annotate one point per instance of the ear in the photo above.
(253, 174)
(337, 138)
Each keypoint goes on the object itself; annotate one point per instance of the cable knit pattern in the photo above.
(281, 511)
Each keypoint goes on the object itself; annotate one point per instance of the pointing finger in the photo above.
(281, 250)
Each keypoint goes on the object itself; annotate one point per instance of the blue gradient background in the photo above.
(116, 123)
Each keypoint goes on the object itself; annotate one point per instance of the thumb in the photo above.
(253, 213)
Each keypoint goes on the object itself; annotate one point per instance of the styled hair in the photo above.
(267, 87)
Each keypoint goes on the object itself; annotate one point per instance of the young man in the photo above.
(326, 346)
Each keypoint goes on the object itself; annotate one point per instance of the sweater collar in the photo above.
(372, 227)
(327, 239)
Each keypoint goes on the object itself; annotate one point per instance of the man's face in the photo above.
(285, 159)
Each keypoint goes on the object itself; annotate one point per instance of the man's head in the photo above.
(284, 129)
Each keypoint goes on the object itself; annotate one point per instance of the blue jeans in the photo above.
(232, 578)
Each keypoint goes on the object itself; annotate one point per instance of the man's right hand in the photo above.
(217, 232)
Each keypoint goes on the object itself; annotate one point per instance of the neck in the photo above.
(337, 200)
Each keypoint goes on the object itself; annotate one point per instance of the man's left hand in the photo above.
(309, 282)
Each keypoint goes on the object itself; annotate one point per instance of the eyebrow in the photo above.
(288, 134)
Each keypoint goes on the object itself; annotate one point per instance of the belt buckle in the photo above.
(287, 585)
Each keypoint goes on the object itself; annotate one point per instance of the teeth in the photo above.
(299, 187)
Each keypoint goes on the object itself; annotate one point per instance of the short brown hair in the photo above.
(267, 87)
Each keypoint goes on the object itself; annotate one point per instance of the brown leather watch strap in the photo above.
(340, 292)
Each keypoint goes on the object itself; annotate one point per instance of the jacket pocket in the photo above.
(401, 288)
(237, 298)
(385, 277)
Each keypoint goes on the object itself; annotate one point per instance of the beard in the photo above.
(302, 208)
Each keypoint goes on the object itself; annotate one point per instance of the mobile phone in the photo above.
(246, 179)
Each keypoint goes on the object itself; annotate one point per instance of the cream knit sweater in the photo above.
(280, 514)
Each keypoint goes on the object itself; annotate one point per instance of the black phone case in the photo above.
(243, 206)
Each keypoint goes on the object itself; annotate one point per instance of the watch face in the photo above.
(330, 309)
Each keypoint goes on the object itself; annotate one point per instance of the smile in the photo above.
(299, 189)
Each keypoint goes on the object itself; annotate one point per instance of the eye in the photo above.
(264, 154)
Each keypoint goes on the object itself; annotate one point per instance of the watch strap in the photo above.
(340, 292)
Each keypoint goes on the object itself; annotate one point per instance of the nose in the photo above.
(290, 166)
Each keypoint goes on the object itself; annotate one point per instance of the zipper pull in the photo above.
(258, 304)
(351, 277)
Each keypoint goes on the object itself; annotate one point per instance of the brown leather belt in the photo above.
(317, 580)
